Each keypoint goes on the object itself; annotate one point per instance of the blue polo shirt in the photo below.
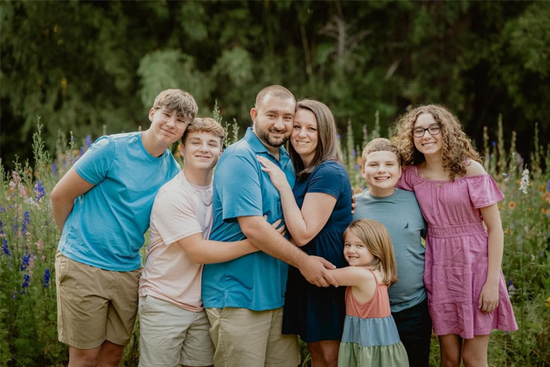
(256, 281)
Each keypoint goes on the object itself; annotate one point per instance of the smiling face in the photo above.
(273, 121)
(167, 127)
(201, 150)
(305, 135)
(427, 144)
(355, 251)
(381, 171)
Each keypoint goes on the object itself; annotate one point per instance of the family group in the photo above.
(272, 244)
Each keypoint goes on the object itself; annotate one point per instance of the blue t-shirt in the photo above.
(401, 215)
(106, 227)
(256, 281)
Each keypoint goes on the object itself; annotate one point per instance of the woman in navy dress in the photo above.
(317, 212)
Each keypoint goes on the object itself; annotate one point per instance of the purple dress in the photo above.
(457, 253)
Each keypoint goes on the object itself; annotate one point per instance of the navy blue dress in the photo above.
(317, 313)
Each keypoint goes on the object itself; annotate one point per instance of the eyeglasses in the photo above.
(179, 121)
(419, 132)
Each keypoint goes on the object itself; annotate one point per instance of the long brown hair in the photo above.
(456, 149)
(327, 149)
(378, 241)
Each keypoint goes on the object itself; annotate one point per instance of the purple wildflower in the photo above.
(25, 261)
(357, 167)
(15, 226)
(26, 282)
(26, 221)
(54, 169)
(5, 247)
(88, 140)
(3, 210)
(494, 143)
(353, 153)
(46, 280)
(1, 228)
(547, 188)
(39, 190)
(82, 151)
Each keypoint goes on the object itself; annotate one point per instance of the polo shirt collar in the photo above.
(259, 147)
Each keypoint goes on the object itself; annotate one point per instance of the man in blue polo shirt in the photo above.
(244, 297)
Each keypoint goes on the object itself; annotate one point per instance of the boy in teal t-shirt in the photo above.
(398, 210)
(102, 207)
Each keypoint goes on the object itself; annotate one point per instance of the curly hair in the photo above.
(456, 146)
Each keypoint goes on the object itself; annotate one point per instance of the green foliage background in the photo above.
(85, 65)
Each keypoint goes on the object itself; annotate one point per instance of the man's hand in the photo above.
(314, 269)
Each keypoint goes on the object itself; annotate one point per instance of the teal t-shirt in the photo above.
(401, 215)
(256, 281)
(107, 225)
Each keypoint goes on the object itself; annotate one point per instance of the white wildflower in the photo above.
(524, 184)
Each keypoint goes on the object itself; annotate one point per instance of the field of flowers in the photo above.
(28, 334)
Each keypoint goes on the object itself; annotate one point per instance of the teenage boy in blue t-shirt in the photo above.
(102, 207)
(398, 210)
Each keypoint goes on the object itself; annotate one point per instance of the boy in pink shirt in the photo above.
(174, 328)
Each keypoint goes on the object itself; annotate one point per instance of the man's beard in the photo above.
(264, 137)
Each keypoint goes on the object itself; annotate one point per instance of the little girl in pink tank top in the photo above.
(370, 337)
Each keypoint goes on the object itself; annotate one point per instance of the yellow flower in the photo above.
(511, 205)
(548, 302)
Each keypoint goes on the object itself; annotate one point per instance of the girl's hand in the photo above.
(488, 299)
(277, 176)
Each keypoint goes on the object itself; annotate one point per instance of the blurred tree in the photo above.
(82, 65)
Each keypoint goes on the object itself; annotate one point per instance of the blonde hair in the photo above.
(378, 241)
(177, 100)
(205, 124)
(381, 145)
(327, 148)
(456, 148)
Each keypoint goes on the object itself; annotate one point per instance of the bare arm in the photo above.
(266, 238)
(304, 224)
(359, 278)
(488, 299)
(204, 251)
(64, 194)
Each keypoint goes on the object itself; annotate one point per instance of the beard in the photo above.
(264, 136)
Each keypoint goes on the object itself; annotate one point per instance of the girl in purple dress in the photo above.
(467, 295)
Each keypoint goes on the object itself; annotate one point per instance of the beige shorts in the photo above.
(251, 338)
(170, 335)
(94, 305)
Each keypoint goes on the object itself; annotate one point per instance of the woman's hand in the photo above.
(276, 175)
(488, 299)
(277, 226)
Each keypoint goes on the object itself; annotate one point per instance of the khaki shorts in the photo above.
(170, 335)
(251, 338)
(94, 305)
